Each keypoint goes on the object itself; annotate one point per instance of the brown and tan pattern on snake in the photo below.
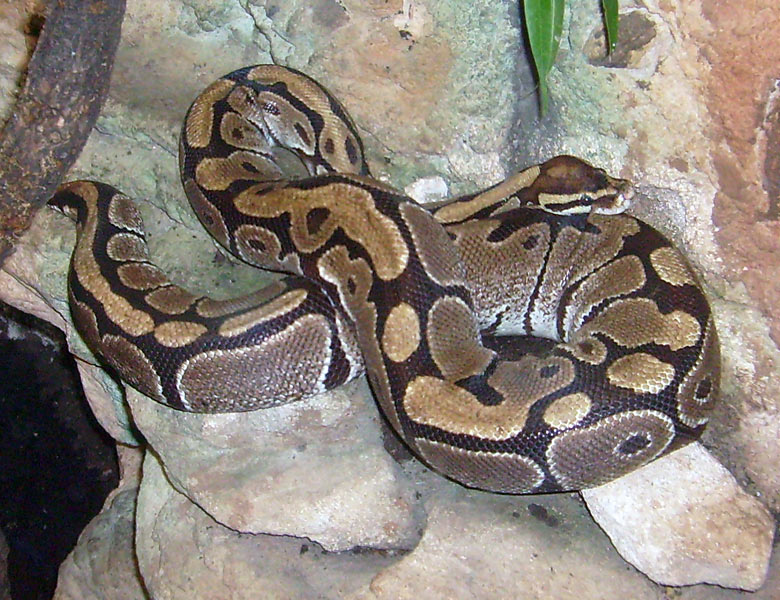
(627, 369)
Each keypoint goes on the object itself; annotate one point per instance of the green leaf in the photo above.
(611, 20)
(544, 23)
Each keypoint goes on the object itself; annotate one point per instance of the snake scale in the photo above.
(523, 339)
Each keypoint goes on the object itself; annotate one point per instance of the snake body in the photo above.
(609, 356)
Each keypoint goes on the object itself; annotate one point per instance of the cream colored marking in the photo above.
(345, 334)
(239, 132)
(134, 322)
(401, 336)
(283, 125)
(530, 379)
(302, 88)
(693, 409)
(175, 334)
(599, 248)
(633, 322)
(435, 249)
(549, 202)
(272, 114)
(123, 213)
(640, 372)
(350, 208)
(501, 275)
(352, 278)
(124, 247)
(671, 266)
(438, 403)
(567, 411)
(492, 471)
(141, 276)
(266, 251)
(198, 127)
(272, 309)
(453, 339)
(458, 211)
(209, 308)
(217, 174)
(171, 299)
(618, 278)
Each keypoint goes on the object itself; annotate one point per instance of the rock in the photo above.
(184, 554)
(103, 563)
(479, 545)
(314, 468)
(685, 112)
(683, 520)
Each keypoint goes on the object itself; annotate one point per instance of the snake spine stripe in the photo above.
(527, 338)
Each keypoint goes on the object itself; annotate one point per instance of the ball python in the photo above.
(526, 338)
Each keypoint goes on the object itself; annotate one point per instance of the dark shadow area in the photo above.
(56, 464)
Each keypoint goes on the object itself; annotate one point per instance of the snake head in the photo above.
(568, 185)
(69, 200)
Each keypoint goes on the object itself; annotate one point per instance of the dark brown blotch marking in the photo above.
(352, 153)
(632, 445)
(330, 147)
(586, 348)
(548, 371)
(250, 167)
(315, 218)
(703, 388)
(531, 242)
(258, 245)
(299, 129)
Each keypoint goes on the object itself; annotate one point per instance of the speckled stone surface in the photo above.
(444, 99)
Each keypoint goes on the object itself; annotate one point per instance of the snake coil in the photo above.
(526, 338)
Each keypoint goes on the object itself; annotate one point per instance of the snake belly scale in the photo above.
(527, 338)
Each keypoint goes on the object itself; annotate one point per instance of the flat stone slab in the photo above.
(683, 519)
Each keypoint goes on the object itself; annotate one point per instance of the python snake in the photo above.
(614, 357)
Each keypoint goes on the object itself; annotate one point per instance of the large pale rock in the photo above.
(103, 565)
(184, 554)
(480, 545)
(314, 469)
(683, 520)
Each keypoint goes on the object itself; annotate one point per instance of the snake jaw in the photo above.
(616, 200)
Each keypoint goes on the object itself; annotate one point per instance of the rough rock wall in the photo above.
(444, 100)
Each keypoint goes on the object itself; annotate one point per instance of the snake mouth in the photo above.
(616, 202)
